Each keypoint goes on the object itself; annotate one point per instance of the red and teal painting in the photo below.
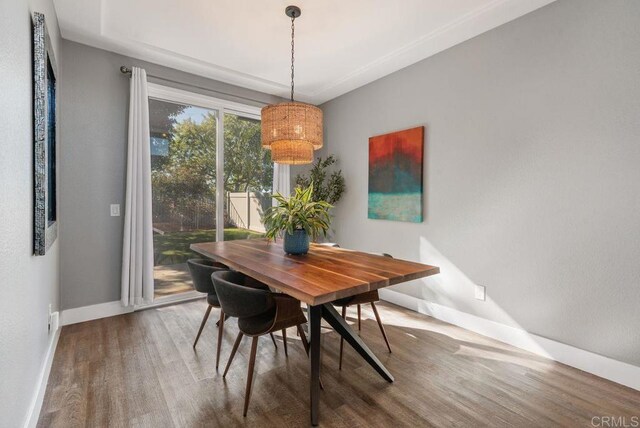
(395, 175)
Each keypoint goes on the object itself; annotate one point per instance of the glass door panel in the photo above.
(248, 178)
(183, 182)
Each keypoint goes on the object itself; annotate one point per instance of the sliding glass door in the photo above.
(201, 190)
(183, 188)
(248, 178)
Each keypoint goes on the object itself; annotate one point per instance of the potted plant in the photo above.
(298, 218)
(328, 185)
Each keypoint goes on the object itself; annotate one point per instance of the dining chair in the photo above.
(201, 270)
(259, 312)
(368, 297)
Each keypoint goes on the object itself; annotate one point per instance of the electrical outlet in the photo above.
(481, 292)
(115, 210)
(55, 320)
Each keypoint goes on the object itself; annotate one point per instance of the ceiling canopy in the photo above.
(340, 44)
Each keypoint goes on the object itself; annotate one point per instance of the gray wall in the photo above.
(532, 177)
(28, 284)
(93, 165)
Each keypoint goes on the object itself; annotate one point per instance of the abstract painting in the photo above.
(395, 175)
(45, 215)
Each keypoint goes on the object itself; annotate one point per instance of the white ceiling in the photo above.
(340, 44)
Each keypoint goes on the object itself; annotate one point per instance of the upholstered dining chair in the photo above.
(259, 312)
(368, 297)
(201, 270)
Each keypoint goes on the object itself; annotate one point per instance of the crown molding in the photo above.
(472, 24)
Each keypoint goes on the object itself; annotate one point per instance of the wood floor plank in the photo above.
(140, 370)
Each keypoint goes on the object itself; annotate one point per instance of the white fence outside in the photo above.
(245, 209)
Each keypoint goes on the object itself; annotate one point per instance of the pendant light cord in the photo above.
(293, 28)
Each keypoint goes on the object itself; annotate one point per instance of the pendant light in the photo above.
(292, 130)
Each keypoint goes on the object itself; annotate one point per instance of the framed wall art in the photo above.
(395, 175)
(45, 138)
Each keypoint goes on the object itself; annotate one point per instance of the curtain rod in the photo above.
(127, 70)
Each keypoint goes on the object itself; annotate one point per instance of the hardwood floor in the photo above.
(140, 370)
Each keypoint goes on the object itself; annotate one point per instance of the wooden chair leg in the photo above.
(220, 334)
(303, 338)
(344, 316)
(273, 339)
(384, 333)
(284, 340)
(233, 353)
(204, 321)
(359, 319)
(252, 363)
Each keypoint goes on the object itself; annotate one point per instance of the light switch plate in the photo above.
(115, 210)
(49, 318)
(481, 292)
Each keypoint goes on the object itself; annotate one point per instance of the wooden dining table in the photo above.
(317, 279)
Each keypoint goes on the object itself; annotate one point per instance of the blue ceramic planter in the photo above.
(296, 244)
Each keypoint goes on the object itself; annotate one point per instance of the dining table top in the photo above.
(321, 276)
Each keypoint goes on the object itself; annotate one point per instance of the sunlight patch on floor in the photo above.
(521, 359)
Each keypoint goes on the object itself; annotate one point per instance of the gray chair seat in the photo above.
(259, 312)
(212, 299)
(201, 270)
(257, 324)
(368, 297)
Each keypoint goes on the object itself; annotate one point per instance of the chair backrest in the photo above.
(238, 300)
(201, 270)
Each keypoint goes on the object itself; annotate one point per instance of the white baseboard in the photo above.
(608, 368)
(110, 309)
(43, 378)
(93, 312)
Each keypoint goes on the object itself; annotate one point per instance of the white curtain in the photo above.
(137, 247)
(282, 179)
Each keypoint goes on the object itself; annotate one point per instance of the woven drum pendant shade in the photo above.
(292, 152)
(292, 131)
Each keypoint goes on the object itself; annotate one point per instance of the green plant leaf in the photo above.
(327, 186)
(299, 211)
